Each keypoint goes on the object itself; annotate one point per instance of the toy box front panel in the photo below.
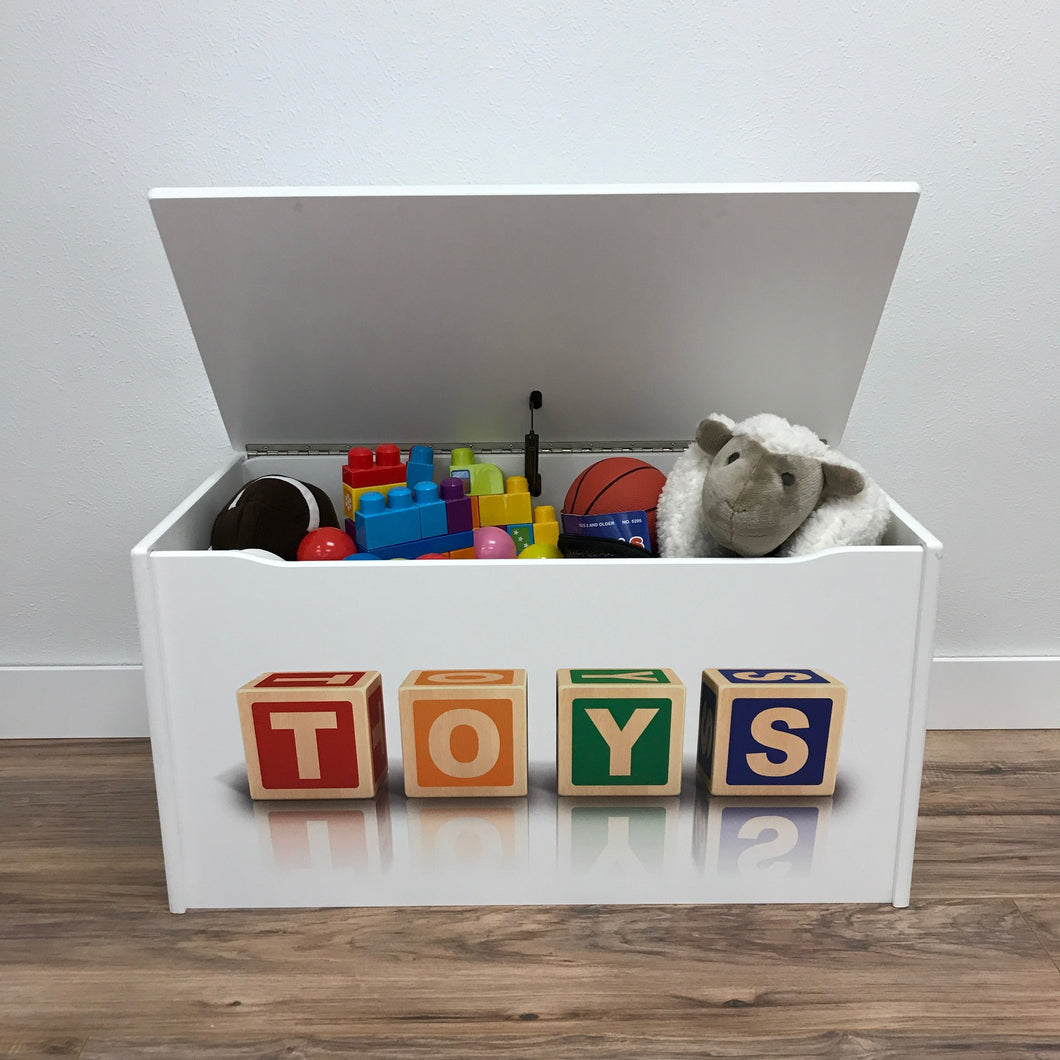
(222, 618)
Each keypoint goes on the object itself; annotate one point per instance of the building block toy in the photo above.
(546, 525)
(314, 735)
(420, 467)
(421, 545)
(523, 536)
(476, 518)
(364, 471)
(770, 732)
(463, 732)
(351, 498)
(482, 478)
(388, 520)
(433, 521)
(463, 553)
(619, 732)
(510, 508)
(457, 506)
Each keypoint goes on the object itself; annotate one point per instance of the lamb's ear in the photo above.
(841, 481)
(713, 433)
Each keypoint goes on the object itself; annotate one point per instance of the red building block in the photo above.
(362, 471)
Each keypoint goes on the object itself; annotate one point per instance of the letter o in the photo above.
(440, 745)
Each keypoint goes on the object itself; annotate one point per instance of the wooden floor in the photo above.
(92, 964)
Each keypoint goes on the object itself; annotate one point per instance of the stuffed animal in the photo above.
(272, 513)
(766, 487)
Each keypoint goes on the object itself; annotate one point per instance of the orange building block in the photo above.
(463, 732)
(314, 735)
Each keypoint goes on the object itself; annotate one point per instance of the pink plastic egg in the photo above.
(491, 542)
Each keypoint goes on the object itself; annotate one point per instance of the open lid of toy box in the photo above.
(333, 316)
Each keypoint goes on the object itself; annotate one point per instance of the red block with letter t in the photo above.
(314, 735)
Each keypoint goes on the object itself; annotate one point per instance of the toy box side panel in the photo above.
(918, 707)
(223, 618)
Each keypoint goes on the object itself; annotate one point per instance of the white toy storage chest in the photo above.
(332, 317)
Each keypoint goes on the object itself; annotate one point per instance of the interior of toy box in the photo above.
(191, 532)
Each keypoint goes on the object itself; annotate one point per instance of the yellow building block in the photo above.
(546, 526)
(510, 508)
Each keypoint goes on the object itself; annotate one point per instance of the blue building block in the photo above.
(413, 549)
(433, 521)
(420, 467)
(382, 521)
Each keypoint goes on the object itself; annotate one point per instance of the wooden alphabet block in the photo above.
(770, 732)
(463, 732)
(619, 732)
(314, 735)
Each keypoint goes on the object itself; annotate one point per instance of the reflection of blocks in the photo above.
(463, 732)
(510, 508)
(325, 836)
(770, 732)
(468, 835)
(619, 732)
(759, 840)
(616, 837)
(313, 735)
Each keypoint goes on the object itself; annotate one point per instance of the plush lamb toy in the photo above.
(766, 487)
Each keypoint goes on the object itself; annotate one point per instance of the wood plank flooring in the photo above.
(93, 965)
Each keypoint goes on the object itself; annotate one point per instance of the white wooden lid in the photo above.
(342, 315)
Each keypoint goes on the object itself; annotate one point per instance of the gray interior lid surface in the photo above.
(391, 314)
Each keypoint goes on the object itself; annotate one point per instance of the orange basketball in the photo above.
(616, 484)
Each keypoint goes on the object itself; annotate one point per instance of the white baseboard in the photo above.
(72, 701)
(108, 701)
(1019, 692)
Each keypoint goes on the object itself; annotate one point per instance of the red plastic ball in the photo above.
(329, 542)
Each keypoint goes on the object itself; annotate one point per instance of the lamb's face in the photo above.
(754, 500)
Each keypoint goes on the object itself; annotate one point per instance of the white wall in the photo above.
(107, 419)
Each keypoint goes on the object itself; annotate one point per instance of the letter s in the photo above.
(796, 750)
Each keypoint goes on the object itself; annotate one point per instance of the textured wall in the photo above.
(107, 419)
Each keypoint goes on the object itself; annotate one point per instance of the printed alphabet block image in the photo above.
(327, 836)
(314, 735)
(770, 732)
(615, 837)
(619, 732)
(463, 732)
(766, 842)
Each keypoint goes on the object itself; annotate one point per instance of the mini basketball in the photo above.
(616, 484)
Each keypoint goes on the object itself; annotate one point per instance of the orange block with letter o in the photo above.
(463, 732)
(314, 735)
